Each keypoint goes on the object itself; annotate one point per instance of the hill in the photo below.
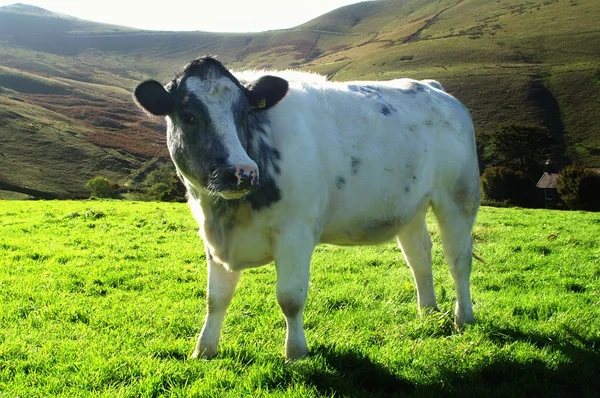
(508, 61)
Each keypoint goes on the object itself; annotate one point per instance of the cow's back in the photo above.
(363, 157)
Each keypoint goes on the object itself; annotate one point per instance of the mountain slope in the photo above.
(509, 61)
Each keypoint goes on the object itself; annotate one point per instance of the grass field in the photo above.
(105, 298)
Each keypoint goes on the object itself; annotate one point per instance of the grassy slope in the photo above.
(509, 61)
(58, 133)
(86, 313)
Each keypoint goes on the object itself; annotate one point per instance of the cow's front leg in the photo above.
(221, 285)
(293, 251)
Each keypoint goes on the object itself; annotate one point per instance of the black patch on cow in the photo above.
(387, 110)
(354, 165)
(406, 189)
(413, 88)
(263, 198)
(374, 92)
(340, 182)
(267, 157)
(367, 91)
(418, 86)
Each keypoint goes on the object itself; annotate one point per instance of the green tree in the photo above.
(164, 185)
(502, 185)
(520, 147)
(579, 188)
(101, 187)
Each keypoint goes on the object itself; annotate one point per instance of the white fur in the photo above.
(223, 93)
(433, 83)
(351, 174)
(248, 76)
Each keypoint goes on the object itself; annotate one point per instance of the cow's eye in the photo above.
(188, 118)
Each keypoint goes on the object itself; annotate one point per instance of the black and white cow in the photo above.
(277, 163)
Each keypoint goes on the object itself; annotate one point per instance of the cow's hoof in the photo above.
(295, 353)
(203, 353)
(462, 320)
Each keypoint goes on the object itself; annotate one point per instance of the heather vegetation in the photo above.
(65, 84)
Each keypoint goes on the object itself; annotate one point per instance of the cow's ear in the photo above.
(266, 92)
(153, 98)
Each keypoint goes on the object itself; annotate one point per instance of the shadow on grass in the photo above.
(573, 370)
(351, 374)
(578, 376)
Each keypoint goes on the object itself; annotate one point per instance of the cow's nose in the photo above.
(247, 175)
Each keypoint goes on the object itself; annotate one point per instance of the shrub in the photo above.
(508, 187)
(579, 188)
(163, 184)
(101, 187)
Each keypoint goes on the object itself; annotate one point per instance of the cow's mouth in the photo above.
(230, 195)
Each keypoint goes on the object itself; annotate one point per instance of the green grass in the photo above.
(105, 298)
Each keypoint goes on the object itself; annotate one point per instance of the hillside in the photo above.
(509, 61)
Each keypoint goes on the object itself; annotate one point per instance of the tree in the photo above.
(164, 184)
(579, 188)
(520, 147)
(101, 187)
(502, 185)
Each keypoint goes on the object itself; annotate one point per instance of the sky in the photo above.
(179, 15)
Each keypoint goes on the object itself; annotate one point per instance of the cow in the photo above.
(276, 163)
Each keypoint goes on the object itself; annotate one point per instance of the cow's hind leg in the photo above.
(221, 286)
(456, 219)
(415, 243)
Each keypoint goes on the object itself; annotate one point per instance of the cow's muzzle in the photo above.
(234, 182)
(247, 175)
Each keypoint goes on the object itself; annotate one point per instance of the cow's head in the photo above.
(206, 109)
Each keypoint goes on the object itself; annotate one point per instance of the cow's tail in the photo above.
(476, 257)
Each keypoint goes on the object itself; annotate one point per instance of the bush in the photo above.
(579, 188)
(509, 187)
(101, 187)
(163, 184)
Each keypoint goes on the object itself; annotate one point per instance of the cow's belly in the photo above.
(373, 217)
(366, 234)
(364, 229)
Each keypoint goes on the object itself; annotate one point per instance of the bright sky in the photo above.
(206, 15)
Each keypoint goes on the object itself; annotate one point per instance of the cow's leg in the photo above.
(456, 223)
(415, 243)
(221, 286)
(293, 250)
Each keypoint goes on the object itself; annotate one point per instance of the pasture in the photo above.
(106, 298)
